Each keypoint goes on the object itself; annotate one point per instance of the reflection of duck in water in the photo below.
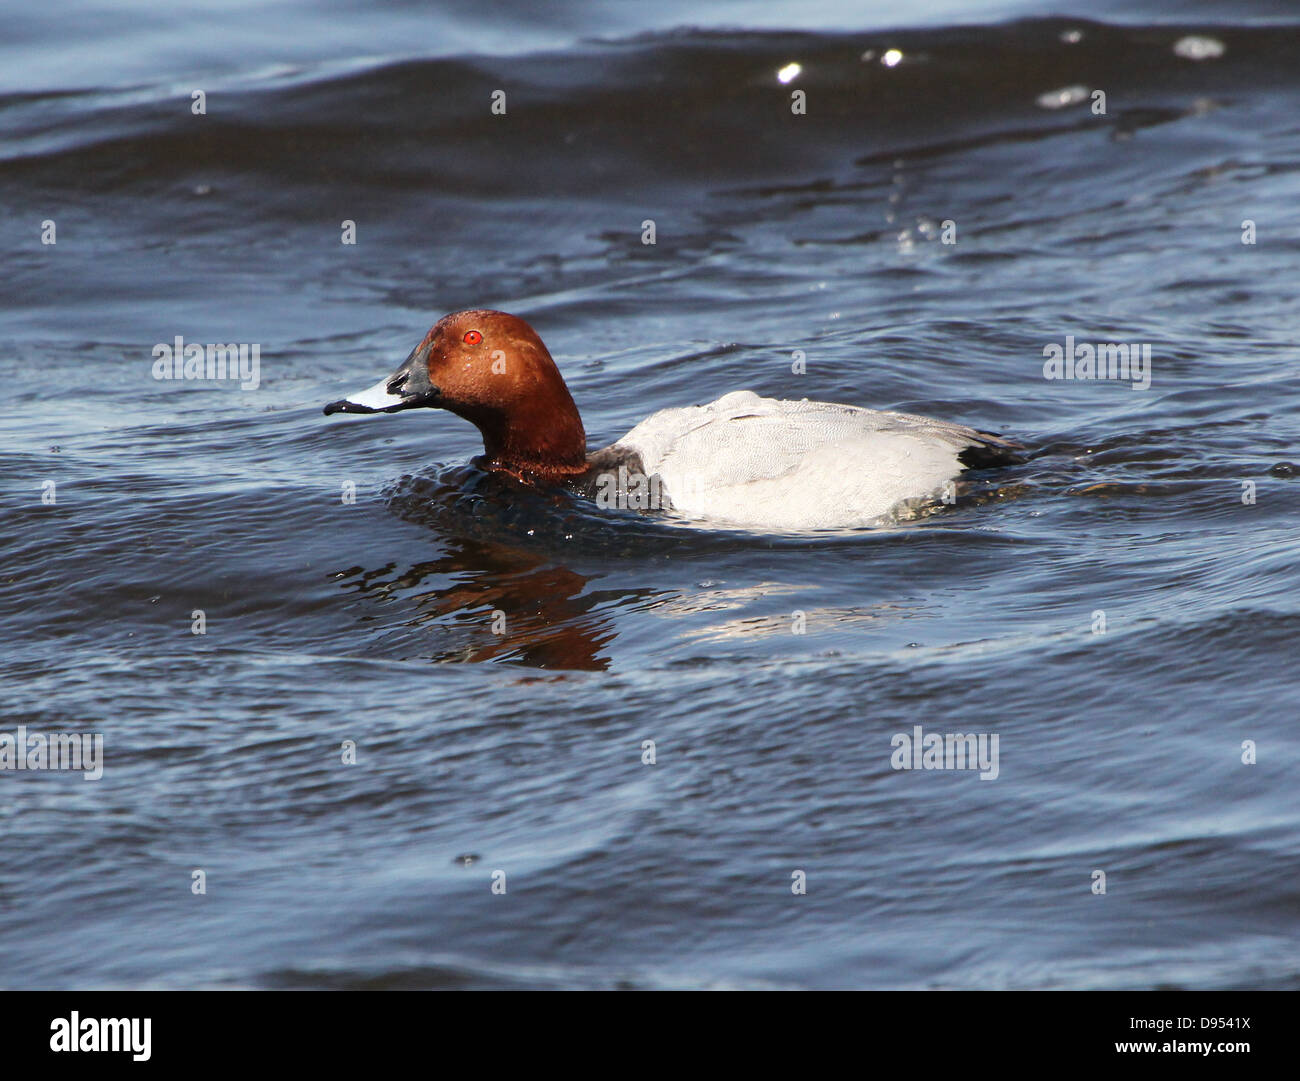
(756, 463)
(501, 604)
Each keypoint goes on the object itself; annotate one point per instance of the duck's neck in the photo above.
(540, 441)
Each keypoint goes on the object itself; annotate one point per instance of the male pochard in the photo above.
(742, 461)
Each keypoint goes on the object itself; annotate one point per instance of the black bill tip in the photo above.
(346, 406)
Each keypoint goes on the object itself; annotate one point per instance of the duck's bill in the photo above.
(377, 399)
(407, 388)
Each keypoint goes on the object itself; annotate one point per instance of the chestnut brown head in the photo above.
(492, 369)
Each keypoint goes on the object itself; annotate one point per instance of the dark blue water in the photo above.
(1120, 611)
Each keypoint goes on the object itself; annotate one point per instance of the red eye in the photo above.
(473, 337)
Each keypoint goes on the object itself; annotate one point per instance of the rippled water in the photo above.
(1164, 518)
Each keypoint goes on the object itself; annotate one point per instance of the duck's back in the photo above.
(764, 463)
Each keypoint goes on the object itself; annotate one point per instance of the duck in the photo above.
(742, 462)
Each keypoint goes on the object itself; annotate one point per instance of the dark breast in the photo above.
(611, 472)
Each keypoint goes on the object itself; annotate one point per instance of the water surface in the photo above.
(330, 618)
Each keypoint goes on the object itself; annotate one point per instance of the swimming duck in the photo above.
(743, 461)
